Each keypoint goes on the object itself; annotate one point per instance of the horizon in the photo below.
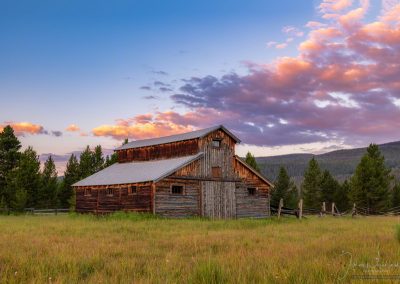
(292, 77)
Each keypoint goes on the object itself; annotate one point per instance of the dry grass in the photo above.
(131, 248)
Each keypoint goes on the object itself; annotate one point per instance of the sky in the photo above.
(285, 76)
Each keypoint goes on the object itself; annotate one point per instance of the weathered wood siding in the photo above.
(218, 199)
(247, 205)
(100, 202)
(217, 157)
(177, 205)
(157, 152)
(255, 206)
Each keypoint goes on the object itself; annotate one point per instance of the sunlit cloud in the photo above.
(343, 85)
(23, 128)
(72, 128)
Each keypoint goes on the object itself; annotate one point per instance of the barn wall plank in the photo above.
(176, 205)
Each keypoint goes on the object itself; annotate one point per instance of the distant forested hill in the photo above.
(341, 163)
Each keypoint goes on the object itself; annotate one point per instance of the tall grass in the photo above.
(137, 248)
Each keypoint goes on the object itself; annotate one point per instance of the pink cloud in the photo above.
(343, 84)
(72, 128)
(22, 128)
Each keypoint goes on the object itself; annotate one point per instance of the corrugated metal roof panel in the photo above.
(174, 138)
(122, 173)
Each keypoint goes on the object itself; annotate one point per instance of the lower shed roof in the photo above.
(122, 173)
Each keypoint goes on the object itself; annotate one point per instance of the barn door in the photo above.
(218, 199)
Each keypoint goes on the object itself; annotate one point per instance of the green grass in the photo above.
(127, 248)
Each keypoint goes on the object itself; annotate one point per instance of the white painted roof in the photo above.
(122, 173)
(174, 138)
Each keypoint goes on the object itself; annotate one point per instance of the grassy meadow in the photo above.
(131, 248)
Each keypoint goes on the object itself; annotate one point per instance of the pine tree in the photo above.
(251, 161)
(310, 187)
(285, 189)
(292, 198)
(369, 187)
(396, 195)
(49, 186)
(112, 159)
(341, 197)
(71, 175)
(23, 182)
(98, 159)
(329, 186)
(9, 157)
(86, 163)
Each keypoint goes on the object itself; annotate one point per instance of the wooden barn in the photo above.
(190, 174)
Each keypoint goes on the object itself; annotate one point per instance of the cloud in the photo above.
(159, 72)
(342, 86)
(23, 128)
(150, 97)
(165, 89)
(141, 127)
(72, 128)
(146, 88)
(28, 128)
(293, 31)
(56, 133)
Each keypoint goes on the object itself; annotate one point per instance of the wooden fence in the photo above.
(34, 211)
(302, 212)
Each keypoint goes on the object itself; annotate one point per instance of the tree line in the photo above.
(24, 184)
(371, 186)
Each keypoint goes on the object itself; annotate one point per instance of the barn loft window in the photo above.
(177, 189)
(216, 143)
(132, 189)
(251, 190)
(110, 191)
(216, 172)
(88, 191)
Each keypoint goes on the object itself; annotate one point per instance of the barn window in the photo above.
(88, 191)
(110, 191)
(177, 189)
(251, 190)
(216, 143)
(216, 172)
(132, 189)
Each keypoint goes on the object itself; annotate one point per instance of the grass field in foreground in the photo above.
(133, 248)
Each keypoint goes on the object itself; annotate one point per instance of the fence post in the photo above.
(280, 208)
(323, 209)
(56, 211)
(354, 210)
(333, 208)
(300, 208)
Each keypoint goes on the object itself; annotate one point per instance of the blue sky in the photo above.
(89, 63)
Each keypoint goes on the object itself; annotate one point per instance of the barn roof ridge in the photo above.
(134, 172)
(175, 138)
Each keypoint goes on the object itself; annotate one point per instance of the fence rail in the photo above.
(34, 211)
(356, 210)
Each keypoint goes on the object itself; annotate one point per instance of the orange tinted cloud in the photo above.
(72, 128)
(137, 128)
(22, 128)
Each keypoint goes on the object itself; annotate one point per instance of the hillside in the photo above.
(340, 163)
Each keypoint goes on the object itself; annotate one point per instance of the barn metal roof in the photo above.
(123, 173)
(175, 138)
